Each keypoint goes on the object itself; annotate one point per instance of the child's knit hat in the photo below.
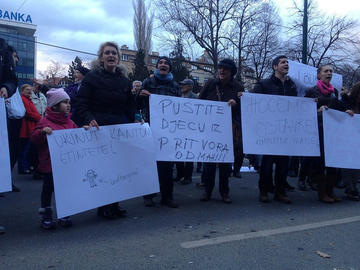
(55, 96)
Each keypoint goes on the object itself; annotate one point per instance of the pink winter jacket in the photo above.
(55, 121)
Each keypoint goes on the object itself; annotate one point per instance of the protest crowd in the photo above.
(103, 95)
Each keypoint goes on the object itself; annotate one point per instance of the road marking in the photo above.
(266, 233)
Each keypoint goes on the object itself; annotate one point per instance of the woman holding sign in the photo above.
(223, 88)
(326, 97)
(105, 98)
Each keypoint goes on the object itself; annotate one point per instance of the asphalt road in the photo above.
(199, 235)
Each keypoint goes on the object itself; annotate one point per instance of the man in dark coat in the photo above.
(8, 85)
(162, 83)
(222, 88)
(278, 84)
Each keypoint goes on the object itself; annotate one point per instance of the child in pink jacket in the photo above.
(57, 116)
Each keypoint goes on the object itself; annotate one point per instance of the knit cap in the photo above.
(55, 96)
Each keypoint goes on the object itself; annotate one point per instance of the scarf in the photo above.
(325, 89)
(167, 77)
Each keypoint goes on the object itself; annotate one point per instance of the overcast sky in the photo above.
(84, 24)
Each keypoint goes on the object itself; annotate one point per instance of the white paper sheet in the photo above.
(341, 139)
(279, 125)
(191, 129)
(98, 167)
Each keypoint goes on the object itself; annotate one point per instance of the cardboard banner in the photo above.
(98, 167)
(5, 172)
(305, 77)
(341, 139)
(279, 125)
(191, 129)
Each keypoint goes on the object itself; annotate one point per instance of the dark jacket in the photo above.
(158, 87)
(349, 104)
(106, 98)
(55, 121)
(324, 100)
(73, 90)
(7, 69)
(331, 101)
(226, 92)
(274, 86)
(190, 94)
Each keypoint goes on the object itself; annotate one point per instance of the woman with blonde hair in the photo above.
(105, 99)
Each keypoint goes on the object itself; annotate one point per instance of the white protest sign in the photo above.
(5, 172)
(191, 129)
(341, 139)
(279, 125)
(305, 76)
(98, 167)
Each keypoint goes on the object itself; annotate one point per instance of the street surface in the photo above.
(246, 234)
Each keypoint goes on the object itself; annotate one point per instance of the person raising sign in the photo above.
(223, 88)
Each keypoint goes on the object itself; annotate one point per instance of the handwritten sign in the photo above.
(341, 139)
(305, 77)
(98, 167)
(279, 125)
(5, 172)
(191, 129)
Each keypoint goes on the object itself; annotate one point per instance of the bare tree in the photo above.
(205, 21)
(54, 70)
(330, 39)
(350, 73)
(244, 23)
(264, 40)
(143, 25)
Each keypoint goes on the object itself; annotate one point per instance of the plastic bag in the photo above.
(15, 106)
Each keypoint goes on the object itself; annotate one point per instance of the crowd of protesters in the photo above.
(105, 96)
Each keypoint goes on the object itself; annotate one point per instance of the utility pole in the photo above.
(305, 32)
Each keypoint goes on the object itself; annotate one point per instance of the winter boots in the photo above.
(47, 222)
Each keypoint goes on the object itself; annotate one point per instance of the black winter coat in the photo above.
(325, 100)
(105, 97)
(8, 77)
(157, 87)
(274, 86)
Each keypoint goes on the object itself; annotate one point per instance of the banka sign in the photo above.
(15, 16)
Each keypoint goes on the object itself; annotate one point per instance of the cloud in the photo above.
(82, 25)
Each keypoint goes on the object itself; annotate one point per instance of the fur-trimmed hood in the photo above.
(96, 65)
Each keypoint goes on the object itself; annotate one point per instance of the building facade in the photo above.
(18, 31)
(201, 70)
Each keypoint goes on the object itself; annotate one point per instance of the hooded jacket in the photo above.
(55, 121)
